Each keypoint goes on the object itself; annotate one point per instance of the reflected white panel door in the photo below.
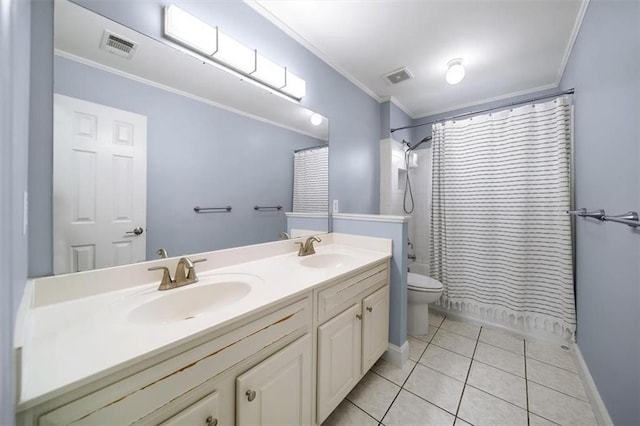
(99, 186)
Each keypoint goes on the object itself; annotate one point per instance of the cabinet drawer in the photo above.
(131, 399)
(337, 298)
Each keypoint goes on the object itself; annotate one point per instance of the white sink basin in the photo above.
(327, 260)
(188, 302)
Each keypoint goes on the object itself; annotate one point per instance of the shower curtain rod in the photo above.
(466, 114)
(310, 148)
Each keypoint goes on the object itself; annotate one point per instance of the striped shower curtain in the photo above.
(311, 180)
(501, 242)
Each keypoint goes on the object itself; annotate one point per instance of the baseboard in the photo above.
(597, 404)
(397, 355)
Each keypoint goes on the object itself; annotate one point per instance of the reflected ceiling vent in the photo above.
(118, 45)
(395, 77)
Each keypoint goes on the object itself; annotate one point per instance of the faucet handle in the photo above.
(166, 283)
(204, 259)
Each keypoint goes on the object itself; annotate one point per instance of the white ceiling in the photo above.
(509, 47)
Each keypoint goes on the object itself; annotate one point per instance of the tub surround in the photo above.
(75, 329)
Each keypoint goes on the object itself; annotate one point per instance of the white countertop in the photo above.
(70, 340)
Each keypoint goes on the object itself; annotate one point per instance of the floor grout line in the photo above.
(407, 378)
(497, 368)
(500, 347)
(358, 407)
(553, 365)
(430, 402)
(468, 373)
(556, 390)
(526, 382)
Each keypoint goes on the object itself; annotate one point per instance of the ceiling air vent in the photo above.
(395, 77)
(118, 45)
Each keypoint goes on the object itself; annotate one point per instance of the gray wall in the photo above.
(197, 155)
(396, 231)
(391, 117)
(604, 67)
(15, 40)
(398, 118)
(40, 141)
(353, 115)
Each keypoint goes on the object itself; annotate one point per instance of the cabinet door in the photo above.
(278, 390)
(375, 329)
(339, 341)
(202, 413)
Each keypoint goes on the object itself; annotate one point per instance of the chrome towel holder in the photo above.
(629, 218)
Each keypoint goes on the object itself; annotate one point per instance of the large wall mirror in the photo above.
(142, 141)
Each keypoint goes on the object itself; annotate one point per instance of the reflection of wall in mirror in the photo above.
(198, 155)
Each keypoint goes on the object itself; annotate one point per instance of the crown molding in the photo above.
(572, 39)
(310, 47)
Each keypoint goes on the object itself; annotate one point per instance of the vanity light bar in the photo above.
(209, 41)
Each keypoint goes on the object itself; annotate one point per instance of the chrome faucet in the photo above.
(162, 253)
(307, 248)
(185, 274)
(284, 236)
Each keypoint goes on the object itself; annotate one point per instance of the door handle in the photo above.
(136, 231)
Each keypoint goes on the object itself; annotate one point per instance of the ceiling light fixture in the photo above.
(455, 72)
(212, 43)
(316, 119)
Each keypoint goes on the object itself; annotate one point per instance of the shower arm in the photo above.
(411, 148)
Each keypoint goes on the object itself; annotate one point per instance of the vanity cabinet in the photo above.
(199, 383)
(291, 363)
(278, 390)
(353, 340)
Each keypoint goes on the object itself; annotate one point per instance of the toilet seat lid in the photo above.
(421, 282)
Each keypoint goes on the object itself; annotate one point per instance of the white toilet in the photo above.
(421, 290)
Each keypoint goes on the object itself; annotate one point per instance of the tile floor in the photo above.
(464, 373)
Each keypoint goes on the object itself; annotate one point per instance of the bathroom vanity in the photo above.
(265, 336)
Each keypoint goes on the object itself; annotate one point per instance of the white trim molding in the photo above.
(319, 215)
(597, 404)
(310, 47)
(572, 39)
(397, 355)
(371, 217)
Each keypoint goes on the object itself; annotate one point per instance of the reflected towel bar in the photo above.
(199, 209)
(267, 207)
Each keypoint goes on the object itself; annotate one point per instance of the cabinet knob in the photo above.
(251, 395)
(358, 316)
(210, 421)
(369, 308)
